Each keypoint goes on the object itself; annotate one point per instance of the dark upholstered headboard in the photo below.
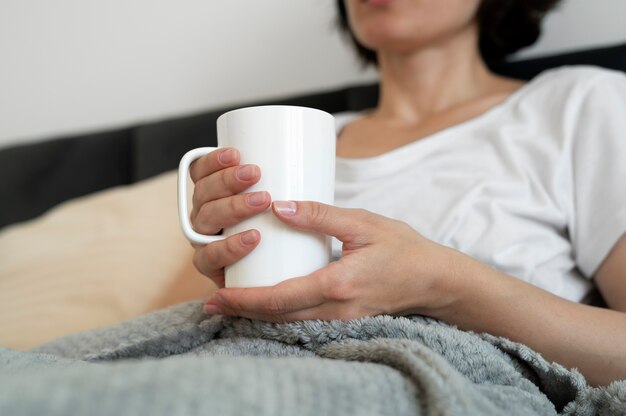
(35, 177)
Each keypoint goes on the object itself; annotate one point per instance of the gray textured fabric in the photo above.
(178, 361)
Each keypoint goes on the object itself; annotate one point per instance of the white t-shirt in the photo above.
(534, 187)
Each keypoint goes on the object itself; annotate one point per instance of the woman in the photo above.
(489, 204)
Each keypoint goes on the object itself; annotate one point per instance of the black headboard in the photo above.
(35, 177)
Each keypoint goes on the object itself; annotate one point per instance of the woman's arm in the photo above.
(387, 267)
(611, 277)
(588, 338)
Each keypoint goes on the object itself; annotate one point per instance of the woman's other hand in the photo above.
(386, 267)
(218, 202)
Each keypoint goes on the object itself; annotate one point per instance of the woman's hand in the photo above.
(389, 268)
(217, 203)
(386, 267)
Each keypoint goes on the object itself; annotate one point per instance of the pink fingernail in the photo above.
(226, 156)
(256, 198)
(211, 309)
(246, 172)
(250, 237)
(285, 208)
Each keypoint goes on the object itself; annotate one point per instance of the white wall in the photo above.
(68, 66)
(76, 65)
(581, 23)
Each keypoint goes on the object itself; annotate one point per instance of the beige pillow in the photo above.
(95, 261)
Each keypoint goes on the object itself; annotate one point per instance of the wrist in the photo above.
(464, 289)
(454, 277)
(439, 282)
(482, 299)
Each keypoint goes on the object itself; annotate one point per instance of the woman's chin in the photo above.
(389, 42)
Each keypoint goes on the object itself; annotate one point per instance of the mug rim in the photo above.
(275, 106)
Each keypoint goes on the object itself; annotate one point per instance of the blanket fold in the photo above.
(180, 361)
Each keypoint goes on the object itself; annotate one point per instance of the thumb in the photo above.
(343, 223)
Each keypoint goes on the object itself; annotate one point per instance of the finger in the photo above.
(327, 311)
(316, 312)
(224, 183)
(276, 303)
(212, 258)
(213, 162)
(348, 225)
(230, 211)
(219, 279)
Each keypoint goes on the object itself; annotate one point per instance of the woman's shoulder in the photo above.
(581, 72)
(564, 93)
(576, 79)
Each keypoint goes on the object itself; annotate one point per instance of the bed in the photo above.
(89, 239)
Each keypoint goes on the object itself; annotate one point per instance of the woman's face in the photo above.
(405, 25)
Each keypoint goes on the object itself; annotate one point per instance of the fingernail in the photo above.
(250, 237)
(226, 156)
(256, 198)
(285, 208)
(211, 309)
(246, 172)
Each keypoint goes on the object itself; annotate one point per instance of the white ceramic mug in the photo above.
(295, 149)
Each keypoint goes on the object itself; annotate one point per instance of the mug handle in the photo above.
(183, 209)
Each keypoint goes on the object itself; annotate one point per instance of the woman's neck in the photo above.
(433, 79)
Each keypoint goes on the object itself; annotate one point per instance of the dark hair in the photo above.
(505, 26)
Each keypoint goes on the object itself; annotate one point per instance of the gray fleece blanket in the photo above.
(179, 361)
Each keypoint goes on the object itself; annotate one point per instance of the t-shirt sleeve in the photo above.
(599, 170)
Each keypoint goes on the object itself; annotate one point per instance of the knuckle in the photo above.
(202, 220)
(201, 264)
(232, 249)
(401, 229)
(220, 213)
(213, 256)
(224, 178)
(363, 216)
(237, 208)
(336, 288)
(203, 192)
(198, 197)
(318, 213)
(234, 305)
(361, 213)
(365, 220)
(275, 307)
(338, 293)
(203, 166)
(339, 289)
